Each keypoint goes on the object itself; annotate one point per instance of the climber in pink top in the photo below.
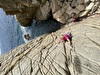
(66, 37)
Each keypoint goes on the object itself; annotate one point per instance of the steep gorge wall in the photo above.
(44, 56)
(61, 10)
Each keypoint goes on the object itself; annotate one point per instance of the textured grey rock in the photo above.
(44, 56)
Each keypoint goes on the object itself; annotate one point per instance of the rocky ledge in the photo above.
(45, 56)
(61, 10)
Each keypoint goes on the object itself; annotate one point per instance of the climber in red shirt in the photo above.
(73, 18)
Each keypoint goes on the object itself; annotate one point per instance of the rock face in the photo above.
(61, 10)
(44, 56)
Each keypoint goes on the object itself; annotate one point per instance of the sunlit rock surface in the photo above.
(45, 56)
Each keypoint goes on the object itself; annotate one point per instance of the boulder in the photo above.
(74, 3)
(61, 15)
(80, 7)
(87, 10)
(43, 13)
(25, 18)
(54, 6)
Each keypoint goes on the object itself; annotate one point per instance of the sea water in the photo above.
(11, 32)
